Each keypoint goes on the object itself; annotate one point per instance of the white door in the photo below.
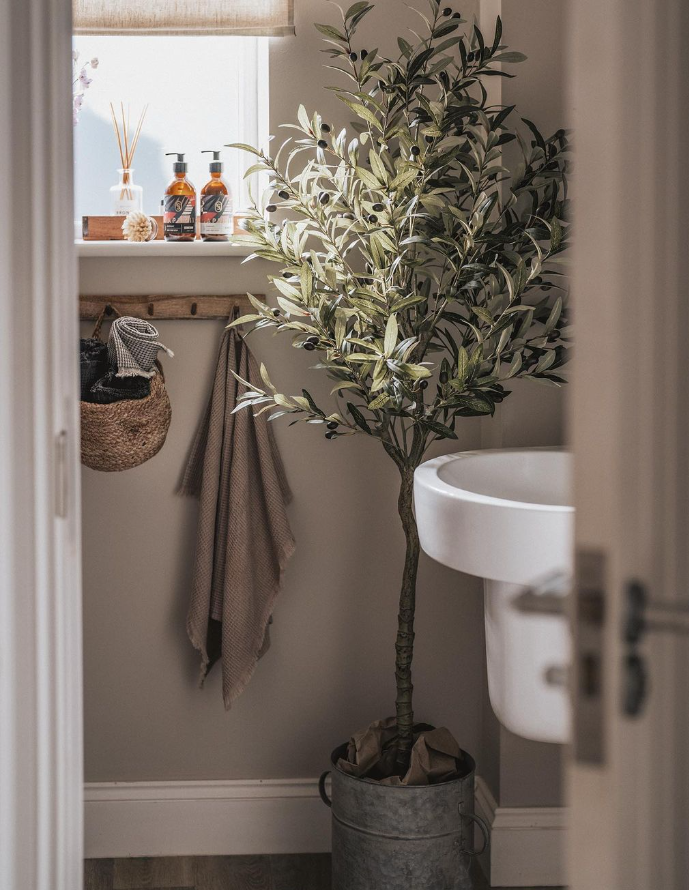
(628, 778)
(40, 615)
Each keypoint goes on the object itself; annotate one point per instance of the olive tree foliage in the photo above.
(423, 272)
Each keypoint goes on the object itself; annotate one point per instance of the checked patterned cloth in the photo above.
(133, 347)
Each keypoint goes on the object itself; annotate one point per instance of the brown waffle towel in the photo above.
(243, 540)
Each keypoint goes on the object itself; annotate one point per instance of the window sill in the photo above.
(149, 249)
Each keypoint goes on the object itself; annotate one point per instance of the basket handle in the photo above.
(106, 310)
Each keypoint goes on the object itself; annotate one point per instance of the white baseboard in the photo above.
(245, 817)
(528, 844)
(214, 818)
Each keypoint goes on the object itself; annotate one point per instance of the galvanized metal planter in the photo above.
(401, 837)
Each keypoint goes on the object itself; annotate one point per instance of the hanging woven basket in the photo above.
(125, 434)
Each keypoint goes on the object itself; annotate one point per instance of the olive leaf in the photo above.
(407, 250)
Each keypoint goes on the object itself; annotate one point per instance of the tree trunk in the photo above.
(404, 645)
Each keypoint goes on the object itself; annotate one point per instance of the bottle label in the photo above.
(179, 215)
(216, 215)
(123, 206)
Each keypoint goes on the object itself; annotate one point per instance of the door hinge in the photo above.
(61, 475)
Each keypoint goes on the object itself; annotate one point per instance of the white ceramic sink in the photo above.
(507, 516)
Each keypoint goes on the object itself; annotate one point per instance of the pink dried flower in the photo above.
(84, 79)
(94, 62)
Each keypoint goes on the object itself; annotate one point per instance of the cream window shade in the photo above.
(236, 17)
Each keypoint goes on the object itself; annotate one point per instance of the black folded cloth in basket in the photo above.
(93, 362)
(111, 389)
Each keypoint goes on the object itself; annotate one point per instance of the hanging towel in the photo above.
(133, 347)
(243, 540)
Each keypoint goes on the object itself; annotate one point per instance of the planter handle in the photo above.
(321, 789)
(484, 831)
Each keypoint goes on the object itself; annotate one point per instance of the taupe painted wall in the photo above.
(329, 669)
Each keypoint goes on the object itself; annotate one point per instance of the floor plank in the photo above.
(300, 872)
(98, 874)
(232, 873)
(161, 872)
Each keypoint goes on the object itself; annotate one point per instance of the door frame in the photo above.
(41, 769)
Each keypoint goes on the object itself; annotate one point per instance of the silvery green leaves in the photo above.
(419, 268)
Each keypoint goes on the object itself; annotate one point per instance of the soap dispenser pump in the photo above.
(179, 204)
(216, 203)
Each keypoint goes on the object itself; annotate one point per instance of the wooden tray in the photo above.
(109, 228)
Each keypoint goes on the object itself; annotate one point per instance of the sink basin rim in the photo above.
(428, 475)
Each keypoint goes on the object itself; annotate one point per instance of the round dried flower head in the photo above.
(138, 227)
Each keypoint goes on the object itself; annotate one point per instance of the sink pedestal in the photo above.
(507, 516)
(527, 656)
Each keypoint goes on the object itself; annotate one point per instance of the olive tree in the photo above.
(423, 271)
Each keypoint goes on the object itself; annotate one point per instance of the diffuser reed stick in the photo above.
(126, 142)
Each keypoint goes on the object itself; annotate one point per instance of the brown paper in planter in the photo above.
(435, 757)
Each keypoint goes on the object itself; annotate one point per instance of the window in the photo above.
(202, 93)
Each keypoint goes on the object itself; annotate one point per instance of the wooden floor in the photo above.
(217, 873)
(210, 873)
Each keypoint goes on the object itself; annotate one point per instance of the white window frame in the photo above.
(253, 103)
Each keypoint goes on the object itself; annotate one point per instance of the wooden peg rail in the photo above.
(162, 306)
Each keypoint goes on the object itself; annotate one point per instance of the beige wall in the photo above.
(329, 670)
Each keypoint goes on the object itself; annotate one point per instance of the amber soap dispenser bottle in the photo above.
(216, 204)
(179, 204)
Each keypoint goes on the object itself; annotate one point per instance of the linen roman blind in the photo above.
(273, 18)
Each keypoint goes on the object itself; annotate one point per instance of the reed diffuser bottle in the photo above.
(179, 204)
(216, 204)
(125, 195)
